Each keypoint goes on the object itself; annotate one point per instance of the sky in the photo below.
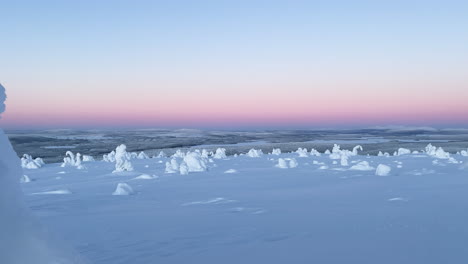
(234, 64)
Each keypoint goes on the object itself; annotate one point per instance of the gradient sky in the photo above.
(245, 64)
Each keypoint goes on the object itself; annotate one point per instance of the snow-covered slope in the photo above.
(22, 241)
(267, 209)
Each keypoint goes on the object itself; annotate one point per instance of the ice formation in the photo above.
(255, 153)
(27, 162)
(382, 170)
(122, 160)
(71, 160)
(220, 153)
(21, 241)
(123, 189)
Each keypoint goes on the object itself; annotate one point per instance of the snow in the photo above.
(194, 162)
(22, 239)
(230, 171)
(382, 170)
(71, 160)
(123, 189)
(142, 155)
(276, 151)
(362, 166)
(435, 152)
(220, 153)
(87, 158)
(403, 151)
(122, 160)
(27, 162)
(255, 153)
(25, 179)
(302, 152)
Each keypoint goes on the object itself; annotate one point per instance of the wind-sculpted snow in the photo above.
(220, 153)
(383, 170)
(27, 162)
(255, 153)
(72, 160)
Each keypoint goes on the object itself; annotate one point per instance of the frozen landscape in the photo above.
(258, 207)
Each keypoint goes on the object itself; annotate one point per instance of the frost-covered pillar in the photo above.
(21, 240)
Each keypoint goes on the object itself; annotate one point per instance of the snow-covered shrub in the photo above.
(276, 151)
(162, 155)
(314, 152)
(205, 154)
(220, 153)
(327, 152)
(382, 170)
(109, 157)
(122, 160)
(71, 160)
(194, 162)
(172, 166)
(403, 151)
(255, 153)
(179, 154)
(123, 189)
(435, 152)
(142, 155)
(464, 153)
(362, 166)
(27, 162)
(183, 169)
(302, 152)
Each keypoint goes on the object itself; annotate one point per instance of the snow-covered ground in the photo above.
(297, 207)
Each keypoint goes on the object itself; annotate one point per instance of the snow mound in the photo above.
(255, 153)
(464, 153)
(220, 153)
(302, 152)
(382, 170)
(123, 189)
(25, 179)
(286, 163)
(71, 160)
(61, 191)
(27, 162)
(402, 151)
(142, 155)
(362, 166)
(122, 160)
(276, 151)
(87, 158)
(145, 177)
(161, 155)
(230, 171)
